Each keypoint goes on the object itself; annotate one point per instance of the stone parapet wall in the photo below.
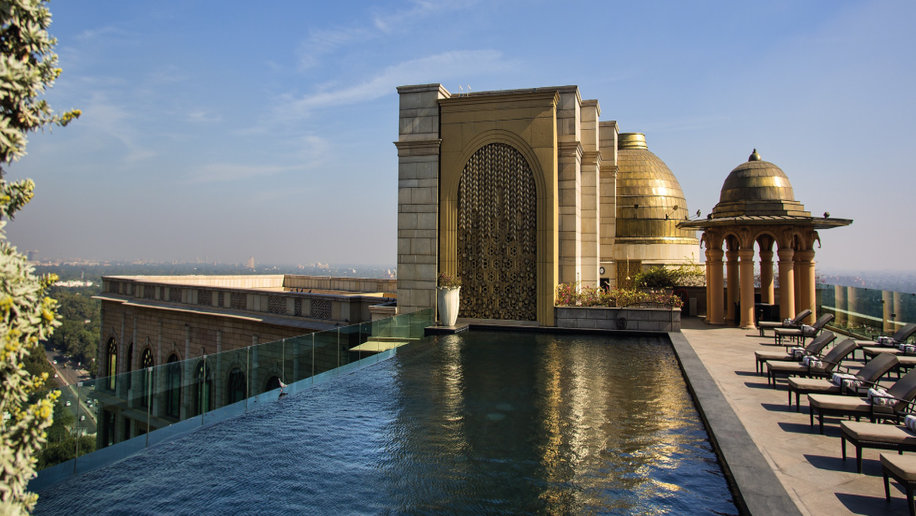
(619, 319)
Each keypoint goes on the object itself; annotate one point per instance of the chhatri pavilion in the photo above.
(757, 206)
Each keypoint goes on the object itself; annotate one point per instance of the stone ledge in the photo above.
(604, 318)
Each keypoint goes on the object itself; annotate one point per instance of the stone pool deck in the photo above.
(754, 426)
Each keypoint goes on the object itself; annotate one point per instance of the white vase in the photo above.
(448, 305)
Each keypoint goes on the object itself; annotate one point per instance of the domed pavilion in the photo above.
(757, 206)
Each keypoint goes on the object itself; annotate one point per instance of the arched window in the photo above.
(173, 387)
(203, 388)
(146, 361)
(112, 362)
(237, 390)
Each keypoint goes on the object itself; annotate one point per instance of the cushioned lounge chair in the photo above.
(872, 348)
(827, 364)
(867, 377)
(903, 392)
(875, 435)
(903, 469)
(814, 348)
(795, 322)
(800, 334)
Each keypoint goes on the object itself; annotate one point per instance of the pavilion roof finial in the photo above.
(754, 156)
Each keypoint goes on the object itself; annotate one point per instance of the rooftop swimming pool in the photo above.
(475, 422)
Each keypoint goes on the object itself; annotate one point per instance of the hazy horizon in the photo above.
(233, 130)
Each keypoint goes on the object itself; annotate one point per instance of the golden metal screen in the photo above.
(497, 231)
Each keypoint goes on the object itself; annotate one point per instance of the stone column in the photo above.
(766, 276)
(607, 209)
(418, 195)
(731, 271)
(714, 287)
(887, 308)
(898, 306)
(590, 184)
(747, 288)
(852, 307)
(806, 282)
(786, 282)
(569, 184)
(839, 295)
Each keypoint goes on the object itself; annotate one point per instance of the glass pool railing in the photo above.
(866, 313)
(106, 419)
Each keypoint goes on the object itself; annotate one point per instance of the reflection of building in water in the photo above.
(181, 320)
(519, 190)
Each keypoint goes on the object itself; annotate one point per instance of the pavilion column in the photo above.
(766, 277)
(731, 271)
(786, 282)
(839, 296)
(808, 299)
(898, 306)
(887, 306)
(714, 287)
(798, 281)
(852, 308)
(747, 288)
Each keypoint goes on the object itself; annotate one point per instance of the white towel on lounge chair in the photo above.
(812, 362)
(807, 330)
(787, 322)
(839, 379)
(880, 398)
(907, 349)
(797, 353)
(884, 340)
(910, 422)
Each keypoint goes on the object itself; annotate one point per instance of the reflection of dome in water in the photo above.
(650, 201)
(757, 188)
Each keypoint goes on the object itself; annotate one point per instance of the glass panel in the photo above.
(866, 313)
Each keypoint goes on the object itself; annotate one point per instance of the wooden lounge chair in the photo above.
(875, 435)
(903, 469)
(795, 322)
(903, 392)
(868, 376)
(803, 332)
(826, 367)
(872, 348)
(814, 348)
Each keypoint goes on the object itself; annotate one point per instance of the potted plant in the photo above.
(449, 288)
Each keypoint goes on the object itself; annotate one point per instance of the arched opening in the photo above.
(497, 235)
(203, 388)
(146, 362)
(111, 362)
(173, 387)
(238, 388)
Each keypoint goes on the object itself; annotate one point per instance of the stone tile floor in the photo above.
(808, 464)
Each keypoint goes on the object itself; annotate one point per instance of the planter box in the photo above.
(618, 319)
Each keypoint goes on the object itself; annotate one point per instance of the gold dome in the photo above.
(650, 201)
(757, 188)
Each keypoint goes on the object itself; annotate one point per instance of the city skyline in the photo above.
(252, 132)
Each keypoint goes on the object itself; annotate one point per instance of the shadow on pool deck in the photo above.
(779, 463)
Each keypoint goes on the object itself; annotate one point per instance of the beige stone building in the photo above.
(517, 191)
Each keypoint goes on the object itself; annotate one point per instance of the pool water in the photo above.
(476, 422)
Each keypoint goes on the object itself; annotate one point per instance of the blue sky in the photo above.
(220, 130)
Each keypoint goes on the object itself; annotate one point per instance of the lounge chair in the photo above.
(872, 348)
(903, 469)
(875, 435)
(795, 322)
(866, 377)
(902, 392)
(814, 348)
(803, 332)
(823, 367)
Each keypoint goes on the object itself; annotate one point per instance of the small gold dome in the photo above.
(757, 188)
(650, 201)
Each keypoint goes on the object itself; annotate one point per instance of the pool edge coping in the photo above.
(756, 486)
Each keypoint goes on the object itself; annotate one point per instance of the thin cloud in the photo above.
(460, 64)
(307, 152)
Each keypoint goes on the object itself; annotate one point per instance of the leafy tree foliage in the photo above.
(78, 333)
(28, 66)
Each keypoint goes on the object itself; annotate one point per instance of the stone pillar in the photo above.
(418, 195)
(766, 276)
(786, 282)
(839, 295)
(607, 143)
(852, 307)
(747, 288)
(898, 306)
(590, 184)
(731, 272)
(807, 283)
(569, 185)
(714, 287)
(798, 284)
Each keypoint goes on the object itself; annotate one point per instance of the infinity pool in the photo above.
(477, 422)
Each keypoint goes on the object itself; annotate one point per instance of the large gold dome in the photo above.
(650, 201)
(757, 188)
